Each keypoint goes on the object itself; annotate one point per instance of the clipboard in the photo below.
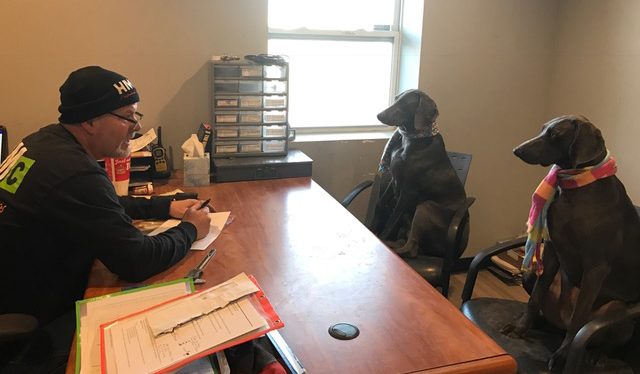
(160, 350)
(116, 305)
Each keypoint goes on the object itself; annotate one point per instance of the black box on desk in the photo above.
(141, 167)
(294, 164)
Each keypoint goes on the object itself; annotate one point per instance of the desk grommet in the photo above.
(344, 331)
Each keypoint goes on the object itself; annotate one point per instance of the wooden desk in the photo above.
(320, 266)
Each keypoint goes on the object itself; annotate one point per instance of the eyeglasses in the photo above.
(137, 117)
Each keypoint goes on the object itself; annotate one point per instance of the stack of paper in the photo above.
(91, 313)
(169, 335)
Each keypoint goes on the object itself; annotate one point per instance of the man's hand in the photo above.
(198, 217)
(177, 208)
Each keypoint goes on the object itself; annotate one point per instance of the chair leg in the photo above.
(446, 275)
(445, 287)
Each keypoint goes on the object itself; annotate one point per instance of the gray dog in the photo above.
(422, 190)
(594, 231)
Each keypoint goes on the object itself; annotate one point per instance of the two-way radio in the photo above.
(160, 163)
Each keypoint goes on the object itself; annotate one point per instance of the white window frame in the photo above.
(394, 35)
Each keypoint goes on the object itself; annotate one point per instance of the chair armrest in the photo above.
(578, 347)
(456, 221)
(14, 326)
(355, 192)
(482, 259)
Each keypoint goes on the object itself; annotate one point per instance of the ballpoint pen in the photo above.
(196, 272)
(205, 203)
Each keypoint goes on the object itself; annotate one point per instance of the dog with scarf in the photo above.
(590, 230)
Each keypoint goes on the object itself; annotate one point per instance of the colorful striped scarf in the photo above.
(543, 196)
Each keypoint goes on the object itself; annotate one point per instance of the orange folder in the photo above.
(258, 300)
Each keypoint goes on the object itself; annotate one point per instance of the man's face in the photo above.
(114, 133)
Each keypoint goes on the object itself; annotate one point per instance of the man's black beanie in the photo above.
(92, 91)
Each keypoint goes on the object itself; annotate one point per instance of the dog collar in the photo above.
(434, 128)
(574, 178)
(420, 134)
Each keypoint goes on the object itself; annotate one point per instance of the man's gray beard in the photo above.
(119, 153)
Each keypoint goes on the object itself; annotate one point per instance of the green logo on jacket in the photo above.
(16, 174)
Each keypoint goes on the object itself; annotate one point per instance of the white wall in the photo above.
(597, 73)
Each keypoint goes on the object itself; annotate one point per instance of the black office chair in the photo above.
(16, 330)
(533, 352)
(30, 346)
(435, 270)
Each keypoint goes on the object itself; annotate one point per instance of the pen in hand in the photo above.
(204, 204)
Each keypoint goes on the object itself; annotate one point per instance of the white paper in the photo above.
(218, 220)
(167, 318)
(193, 147)
(143, 141)
(170, 193)
(131, 347)
(95, 312)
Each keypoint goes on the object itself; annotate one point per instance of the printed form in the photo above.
(163, 336)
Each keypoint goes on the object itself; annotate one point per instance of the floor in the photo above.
(487, 285)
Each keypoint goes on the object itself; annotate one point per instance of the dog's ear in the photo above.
(587, 145)
(426, 113)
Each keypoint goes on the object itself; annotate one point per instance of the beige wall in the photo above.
(487, 65)
(338, 166)
(162, 45)
(597, 74)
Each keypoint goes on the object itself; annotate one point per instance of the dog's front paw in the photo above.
(516, 329)
(408, 250)
(396, 245)
(509, 330)
(519, 327)
(402, 248)
(557, 360)
(407, 254)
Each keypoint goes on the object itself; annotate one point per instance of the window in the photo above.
(343, 59)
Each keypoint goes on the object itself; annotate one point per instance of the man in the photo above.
(59, 211)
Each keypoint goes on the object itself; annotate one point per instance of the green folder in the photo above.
(152, 293)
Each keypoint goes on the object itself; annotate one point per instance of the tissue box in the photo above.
(196, 170)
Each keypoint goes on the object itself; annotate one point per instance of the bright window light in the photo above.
(336, 83)
(342, 64)
(330, 14)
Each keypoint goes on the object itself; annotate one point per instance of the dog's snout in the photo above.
(518, 152)
(525, 153)
(536, 151)
(388, 117)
